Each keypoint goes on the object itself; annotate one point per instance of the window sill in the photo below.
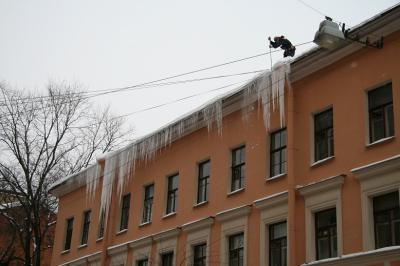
(65, 251)
(203, 203)
(144, 224)
(272, 178)
(120, 232)
(235, 192)
(99, 239)
(82, 246)
(317, 163)
(169, 215)
(384, 140)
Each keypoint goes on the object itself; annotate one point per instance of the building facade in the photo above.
(320, 187)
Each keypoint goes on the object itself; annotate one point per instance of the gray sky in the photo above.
(112, 44)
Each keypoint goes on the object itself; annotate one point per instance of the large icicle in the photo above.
(270, 90)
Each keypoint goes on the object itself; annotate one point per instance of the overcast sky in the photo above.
(111, 44)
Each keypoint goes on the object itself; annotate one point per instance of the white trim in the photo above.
(233, 213)
(382, 255)
(273, 209)
(320, 196)
(199, 224)
(375, 179)
(82, 260)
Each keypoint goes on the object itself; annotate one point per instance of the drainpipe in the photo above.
(291, 180)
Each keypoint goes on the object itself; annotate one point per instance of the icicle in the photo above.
(91, 175)
(213, 113)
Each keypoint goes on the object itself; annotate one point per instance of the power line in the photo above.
(39, 98)
(108, 91)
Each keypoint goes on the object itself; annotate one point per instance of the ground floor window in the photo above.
(326, 234)
(277, 244)
(387, 220)
(236, 250)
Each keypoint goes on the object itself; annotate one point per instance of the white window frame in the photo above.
(233, 221)
(198, 232)
(366, 111)
(312, 137)
(141, 249)
(166, 242)
(319, 196)
(376, 179)
(118, 255)
(273, 209)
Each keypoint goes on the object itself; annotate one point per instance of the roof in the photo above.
(311, 61)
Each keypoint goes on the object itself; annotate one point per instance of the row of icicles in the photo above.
(268, 89)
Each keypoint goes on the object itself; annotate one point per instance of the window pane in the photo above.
(326, 234)
(386, 202)
(323, 135)
(380, 96)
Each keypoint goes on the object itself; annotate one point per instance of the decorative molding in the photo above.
(377, 168)
(83, 260)
(322, 185)
(117, 249)
(272, 200)
(166, 234)
(197, 225)
(233, 213)
(362, 258)
(141, 242)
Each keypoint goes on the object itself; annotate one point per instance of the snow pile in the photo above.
(120, 165)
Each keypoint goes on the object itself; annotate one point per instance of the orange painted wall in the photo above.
(342, 86)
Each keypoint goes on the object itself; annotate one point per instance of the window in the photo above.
(238, 168)
(323, 135)
(236, 250)
(85, 227)
(147, 203)
(278, 153)
(167, 259)
(142, 262)
(387, 220)
(199, 255)
(125, 212)
(277, 244)
(100, 233)
(172, 193)
(68, 233)
(203, 181)
(325, 234)
(380, 110)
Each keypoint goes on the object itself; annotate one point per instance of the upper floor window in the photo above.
(85, 227)
(326, 234)
(203, 181)
(236, 256)
(100, 233)
(387, 220)
(199, 255)
(380, 111)
(172, 193)
(147, 203)
(323, 135)
(142, 262)
(278, 153)
(278, 244)
(238, 168)
(125, 212)
(167, 259)
(68, 233)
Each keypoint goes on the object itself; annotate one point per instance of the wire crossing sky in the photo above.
(113, 44)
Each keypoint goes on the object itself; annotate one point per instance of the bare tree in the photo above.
(44, 138)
